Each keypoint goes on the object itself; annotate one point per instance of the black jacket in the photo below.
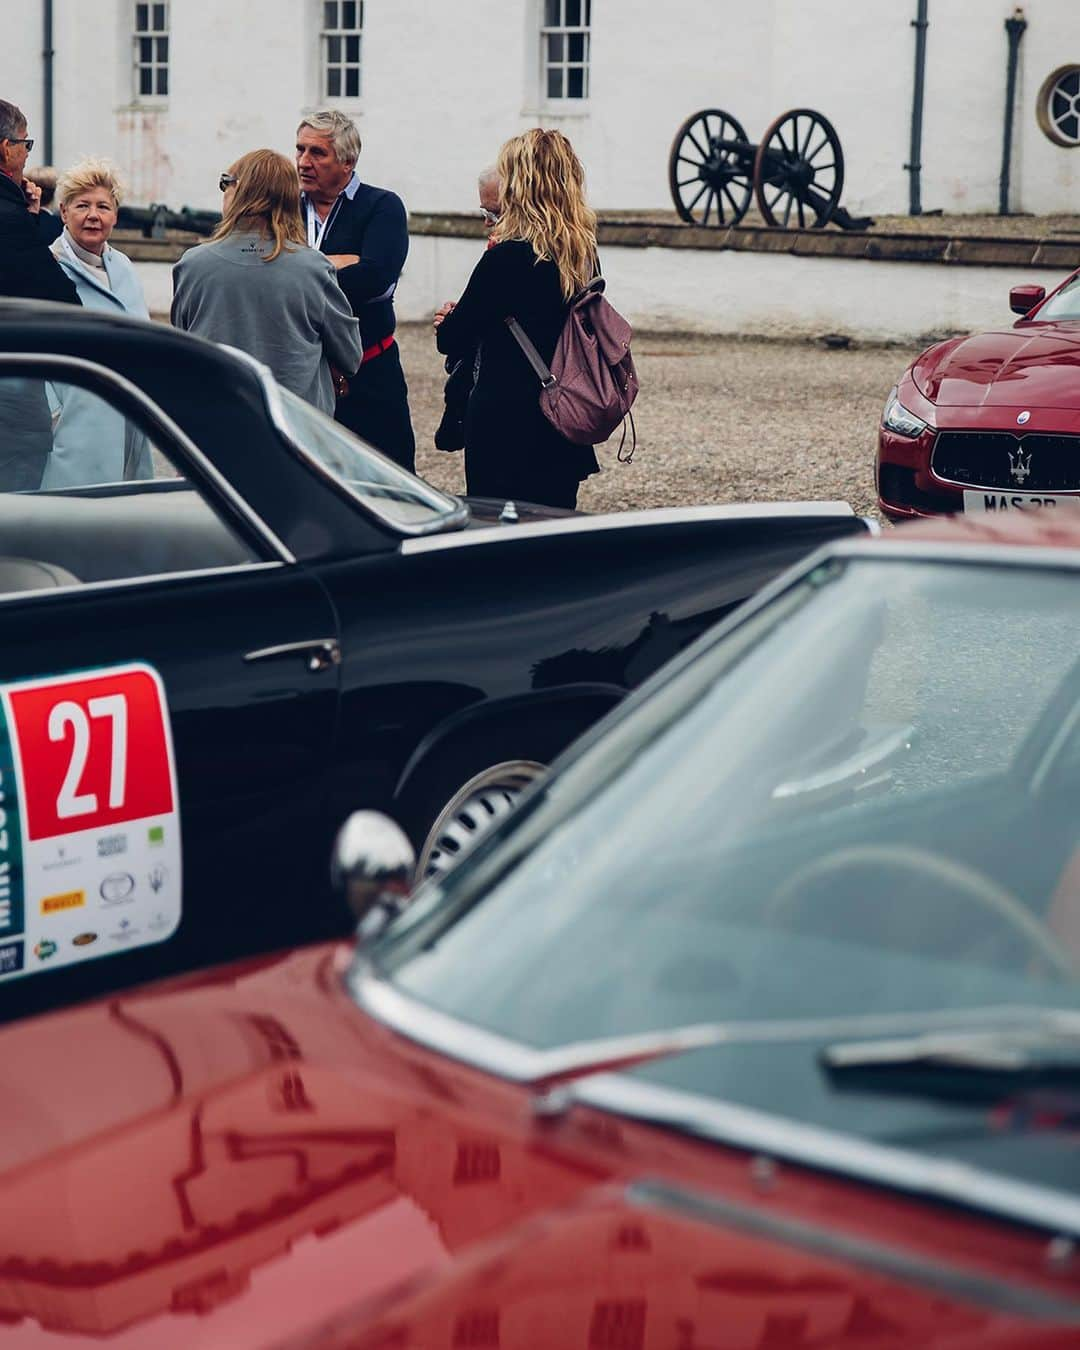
(511, 449)
(27, 268)
(374, 225)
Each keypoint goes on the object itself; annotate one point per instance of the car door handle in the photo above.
(320, 653)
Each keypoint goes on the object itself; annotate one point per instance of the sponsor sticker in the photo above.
(117, 887)
(11, 958)
(87, 782)
(55, 904)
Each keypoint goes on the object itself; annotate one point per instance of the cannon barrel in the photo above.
(155, 220)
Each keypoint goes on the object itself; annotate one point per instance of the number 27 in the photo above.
(71, 802)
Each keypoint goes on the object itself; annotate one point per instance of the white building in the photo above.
(174, 91)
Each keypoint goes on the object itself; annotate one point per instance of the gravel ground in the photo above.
(718, 420)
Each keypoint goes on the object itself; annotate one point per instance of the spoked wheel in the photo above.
(472, 811)
(710, 170)
(799, 171)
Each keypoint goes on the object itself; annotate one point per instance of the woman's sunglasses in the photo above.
(227, 180)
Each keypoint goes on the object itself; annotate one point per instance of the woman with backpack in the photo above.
(543, 251)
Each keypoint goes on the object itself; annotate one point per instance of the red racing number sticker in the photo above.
(99, 752)
(90, 856)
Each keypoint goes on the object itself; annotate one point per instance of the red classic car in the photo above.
(989, 422)
(756, 1026)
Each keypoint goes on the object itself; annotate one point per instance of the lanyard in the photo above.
(316, 228)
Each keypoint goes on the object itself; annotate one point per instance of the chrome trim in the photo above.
(456, 519)
(621, 520)
(1017, 436)
(938, 1180)
(322, 653)
(894, 546)
(153, 579)
(955, 1282)
(185, 443)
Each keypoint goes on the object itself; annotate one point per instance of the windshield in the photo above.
(404, 502)
(1064, 305)
(865, 800)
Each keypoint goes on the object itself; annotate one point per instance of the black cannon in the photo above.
(796, 172)
(154, 220)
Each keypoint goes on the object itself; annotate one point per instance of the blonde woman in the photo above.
(256, 285)
(92, 442)
(543, 250)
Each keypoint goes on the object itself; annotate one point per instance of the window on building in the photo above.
(343, 24)
(151, 50)
(564, 49)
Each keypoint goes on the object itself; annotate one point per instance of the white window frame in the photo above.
(342, 65)
(154, 20)
(561, 22)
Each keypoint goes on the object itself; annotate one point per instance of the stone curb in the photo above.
(971, 251)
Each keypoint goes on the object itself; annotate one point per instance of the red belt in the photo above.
(370, 353)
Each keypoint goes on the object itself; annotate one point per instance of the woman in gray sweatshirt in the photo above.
(256, 285)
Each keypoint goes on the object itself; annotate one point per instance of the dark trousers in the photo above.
(377, 408)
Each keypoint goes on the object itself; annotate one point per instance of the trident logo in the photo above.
(1019, 463)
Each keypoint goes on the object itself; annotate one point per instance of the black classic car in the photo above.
(253, 623)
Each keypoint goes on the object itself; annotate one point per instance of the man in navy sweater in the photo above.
(364, 232)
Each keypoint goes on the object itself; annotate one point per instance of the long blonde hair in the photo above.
(542, 187)
(267, 196)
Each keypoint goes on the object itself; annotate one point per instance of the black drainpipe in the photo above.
(1014, 27)
(47, 80)
(914, 166)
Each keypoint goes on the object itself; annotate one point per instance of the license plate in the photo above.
(983, 502)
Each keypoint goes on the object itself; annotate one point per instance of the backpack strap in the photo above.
(531, 354)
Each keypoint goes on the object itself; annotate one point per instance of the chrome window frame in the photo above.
(456, 519)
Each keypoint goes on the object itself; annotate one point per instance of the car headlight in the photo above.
(897, 418)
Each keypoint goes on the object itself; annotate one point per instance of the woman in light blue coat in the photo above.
(93, 442)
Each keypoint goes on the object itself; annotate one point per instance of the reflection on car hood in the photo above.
(1033, 367)
(247, 1147)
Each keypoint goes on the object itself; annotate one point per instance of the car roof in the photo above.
(45, 325)
(1045, 528)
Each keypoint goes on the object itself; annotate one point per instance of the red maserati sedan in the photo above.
(989, 422)
(756, 1025)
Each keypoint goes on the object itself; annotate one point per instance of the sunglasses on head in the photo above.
(227, 180)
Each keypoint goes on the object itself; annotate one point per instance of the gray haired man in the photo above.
(364, 232)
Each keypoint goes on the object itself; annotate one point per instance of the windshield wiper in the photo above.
(551, 1073)
(973, 1065)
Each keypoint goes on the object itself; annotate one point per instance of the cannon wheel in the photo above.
(799, 170)
(710, 169)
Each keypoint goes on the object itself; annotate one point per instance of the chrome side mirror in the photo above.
(373, 867)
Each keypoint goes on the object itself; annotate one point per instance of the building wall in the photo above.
(446, 80)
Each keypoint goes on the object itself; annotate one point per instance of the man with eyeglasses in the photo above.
(27, 268)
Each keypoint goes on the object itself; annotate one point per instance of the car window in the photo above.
(853, 818)
(402, 501)
(1064, 305)
(88, 493)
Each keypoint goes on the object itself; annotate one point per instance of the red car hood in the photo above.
(1036, 366)
(243, 1159)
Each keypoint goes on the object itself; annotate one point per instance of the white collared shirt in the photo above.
(316, 227)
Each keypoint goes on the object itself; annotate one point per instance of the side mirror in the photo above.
(1023, 299)
(373, 867)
